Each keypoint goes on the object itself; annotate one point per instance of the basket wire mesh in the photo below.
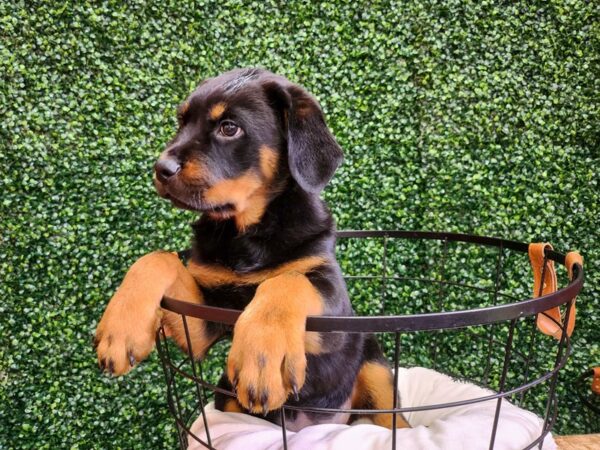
(460, 303)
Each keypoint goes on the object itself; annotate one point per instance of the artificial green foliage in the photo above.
(474, 116)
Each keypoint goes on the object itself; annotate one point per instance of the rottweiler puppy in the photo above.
(251, 155)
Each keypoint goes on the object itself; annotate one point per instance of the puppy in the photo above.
(251, 155)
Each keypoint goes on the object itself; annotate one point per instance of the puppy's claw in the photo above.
(264, 400)
(111, 366)
(295, 391)
(102, 364)
(131, 359)
(251, 398)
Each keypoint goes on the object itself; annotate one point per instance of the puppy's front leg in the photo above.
(126, 332)
(267, 360)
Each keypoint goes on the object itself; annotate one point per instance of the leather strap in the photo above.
(544, 282)
(571, 259)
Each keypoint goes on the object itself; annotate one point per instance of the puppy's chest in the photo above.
(235, 296)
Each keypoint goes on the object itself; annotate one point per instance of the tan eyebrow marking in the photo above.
(217, 110)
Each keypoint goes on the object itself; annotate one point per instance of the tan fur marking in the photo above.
(217, 110)
(269, 160)
(375, 388)
(248, 192)
(234, 190)
(186, 289)
(231, 405)
(213, 275)
(254, 210)
(194, 171)
(268, 353)
(256, 203)
(313, 343)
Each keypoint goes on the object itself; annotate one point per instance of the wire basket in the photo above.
(461, 304)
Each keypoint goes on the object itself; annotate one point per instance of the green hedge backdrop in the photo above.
(475, 116)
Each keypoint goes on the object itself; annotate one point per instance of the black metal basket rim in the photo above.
(414, 322)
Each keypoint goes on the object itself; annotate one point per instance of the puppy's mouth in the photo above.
(223, 210)
(213, 210)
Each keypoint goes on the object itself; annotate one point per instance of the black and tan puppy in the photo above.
(252, 154)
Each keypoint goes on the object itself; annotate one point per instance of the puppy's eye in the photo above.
(229, 129)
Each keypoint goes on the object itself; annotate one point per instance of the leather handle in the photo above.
(571, 260)
(550, 322)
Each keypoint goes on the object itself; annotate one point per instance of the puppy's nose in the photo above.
(165, 168)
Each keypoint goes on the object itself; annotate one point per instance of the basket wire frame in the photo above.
(515, 318)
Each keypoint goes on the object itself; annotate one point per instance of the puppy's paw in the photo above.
(267, 362)
(126, 333)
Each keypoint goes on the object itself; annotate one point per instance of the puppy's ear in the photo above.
(313, 153)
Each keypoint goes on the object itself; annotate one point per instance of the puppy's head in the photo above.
(241, 136)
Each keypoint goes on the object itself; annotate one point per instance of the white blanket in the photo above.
(465, 427)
